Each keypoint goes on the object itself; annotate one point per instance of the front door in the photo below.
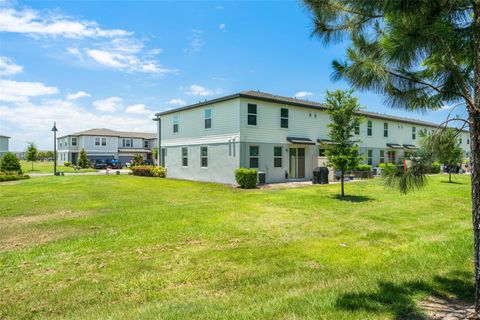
(297, 163)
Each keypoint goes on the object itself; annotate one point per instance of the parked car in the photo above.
(114, 164)
(148, 162)
(99, 164)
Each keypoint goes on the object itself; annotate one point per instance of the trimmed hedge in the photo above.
(364, 167)
(149, 171)
(246, 178)
(12, 177)
(435, 167)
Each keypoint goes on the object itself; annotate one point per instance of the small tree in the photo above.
(155, 154)
(31, 154)
(83, 160)
(137, 160)
(41, 155)
(445, 148)
(49, 155)
(10, 163)
(343, 154)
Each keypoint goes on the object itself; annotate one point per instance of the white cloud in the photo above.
(16, 91)
(177, 102)
(222, 27)
(303, 94)
(196, 41)
(198, 90)
(70, 118)
(137, 109)
(8, 67)
(45, 23)
(78, 95)
(107, 105)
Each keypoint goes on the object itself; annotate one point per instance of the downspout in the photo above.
(159, 141)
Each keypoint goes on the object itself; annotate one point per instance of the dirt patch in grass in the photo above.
(447, 309)
(60, 215)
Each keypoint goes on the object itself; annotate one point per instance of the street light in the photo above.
(54, 129)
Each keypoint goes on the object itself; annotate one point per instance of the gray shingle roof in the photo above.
(1, 136)
(114, 133)
(268, 97)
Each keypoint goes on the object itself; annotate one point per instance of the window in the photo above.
(74, 141)
(357, 129)
(385, 130)
(283, 118)
(321, 152)
(382, 156)
(203, 157)
(146, 144)
(185, 157)
(127, 143)
(175, 123)
(468, 141)
(104, 142)
(97, 141)
(370, 157)
(391, 156)
(369, 128)
(254, 156)
(414, 133)
(277, 157)
(208, 118)
(252, 114)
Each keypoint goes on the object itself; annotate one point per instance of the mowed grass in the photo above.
(118, 247)
(47, 167)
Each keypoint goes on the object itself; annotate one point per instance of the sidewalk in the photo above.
(96, 173)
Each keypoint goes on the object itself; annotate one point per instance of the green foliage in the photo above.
(49, 155)
(435, 168)
(364, 167)
(10, 164)
(246, 178)
(31, 154)
(41, 155)
(343, 154)
(67, 163)
(155, 153)
(12, 176)
(388, 169)
(149, 171)
(406, 180)
(83, 160)
(137, 160)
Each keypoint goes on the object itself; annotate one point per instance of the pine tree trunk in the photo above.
(342, 180)
(475, 167)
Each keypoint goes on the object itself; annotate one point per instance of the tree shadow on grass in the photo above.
(351, 198)
(399, 299)
(453, 182)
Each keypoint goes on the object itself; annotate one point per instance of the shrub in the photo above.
(10, 163)
(67, 163)
(364, 167)
(83, 160)
(388, 168)
(436, 167)
(137, 160)
(149, 171)
(246, 178)
(12, 177)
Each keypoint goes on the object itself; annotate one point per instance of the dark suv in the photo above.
(114, 164)
(99, 164)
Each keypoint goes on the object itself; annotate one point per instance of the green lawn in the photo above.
(125, 247)
(47, 167)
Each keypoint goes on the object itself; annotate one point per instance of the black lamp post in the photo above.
(54, 129)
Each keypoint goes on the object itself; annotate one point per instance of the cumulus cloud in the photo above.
(198, 90)
(78, 95)
(137, 109)
(177, 102)
(17, 91)
(8, 67)
(303, 94)
(107, 105)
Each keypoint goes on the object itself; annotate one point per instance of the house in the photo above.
(3, 145)
(284, 137)
(106, 144)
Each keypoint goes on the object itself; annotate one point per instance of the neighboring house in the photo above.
(105, 144)
(284, 137)
(3, 145)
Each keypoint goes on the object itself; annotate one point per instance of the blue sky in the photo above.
(112, 64)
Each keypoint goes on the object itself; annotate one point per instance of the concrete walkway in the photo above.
(96, 173)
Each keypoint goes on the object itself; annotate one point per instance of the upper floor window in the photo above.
(369, 128)
(146, 144)
(385, 130)
(414, 133)
(357, 129)
(460, 140)
(208, 118)
(277, 157)
(204, 157)
(127, 143)
(254, 154)
(74, 141)
(97, 141)
(175, 123)
(185, 156)
(252, 114)
(283, 118)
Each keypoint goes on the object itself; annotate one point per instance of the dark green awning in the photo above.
(300, 140)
